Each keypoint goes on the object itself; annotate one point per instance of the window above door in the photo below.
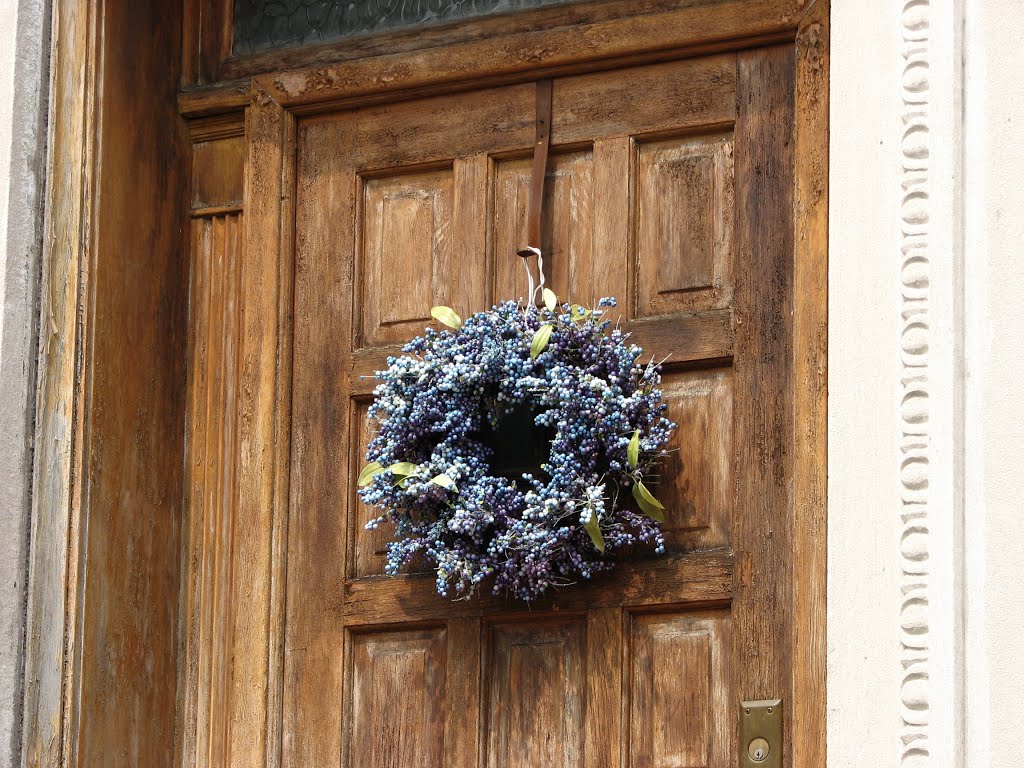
(267, 25)
(230, 40)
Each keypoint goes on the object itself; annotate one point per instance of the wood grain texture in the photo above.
(462, 693)
(52, 634)
(406, 253)
(206, 41)
(395, 707)
(707, 134)
(539, 52)
(810, 377)
(262, 408)
(680, 693)
(603, 730)
(211, 438)
(762, 403)
(684, 225)
(471, 225)
(704, 577)
(613, 221)
(429, 130)
(669, 97)
(695, 480)
(369, 547)
(536, 686)
(320, 481)
(405, 40)
(566, 225)
(218, 166)
(111, 409)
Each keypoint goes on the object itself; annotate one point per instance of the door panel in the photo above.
(535, 682)
(679, 709)
(684, 224)
(669, 186)
(406, 251)
(393, 713)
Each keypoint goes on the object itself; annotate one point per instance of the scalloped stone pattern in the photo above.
(269, 25)
(915, 392)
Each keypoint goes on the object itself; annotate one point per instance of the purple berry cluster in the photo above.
(430, 470)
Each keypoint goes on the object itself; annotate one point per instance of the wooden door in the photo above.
(670, 186)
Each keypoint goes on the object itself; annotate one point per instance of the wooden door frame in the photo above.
(100, 647)
(272, 104)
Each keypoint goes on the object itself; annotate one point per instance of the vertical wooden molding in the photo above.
(263, 411)
(211, 437)
(763, 377)
(206, 45)
(810, 393)
(321, 489)
(53, 585)
(237, 454)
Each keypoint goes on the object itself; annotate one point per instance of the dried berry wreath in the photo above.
(458, 398)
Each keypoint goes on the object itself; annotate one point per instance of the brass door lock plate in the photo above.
(760, 734)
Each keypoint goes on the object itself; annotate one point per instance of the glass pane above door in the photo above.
(267, 25)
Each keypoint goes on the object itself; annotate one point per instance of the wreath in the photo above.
(520, 446)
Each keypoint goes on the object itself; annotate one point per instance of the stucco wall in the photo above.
(864, 198)
(994, 366)
(24, 51)
(926, 426)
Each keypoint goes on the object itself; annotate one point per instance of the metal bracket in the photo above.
(760, 734)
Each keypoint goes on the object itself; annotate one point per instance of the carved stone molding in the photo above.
(915, 394)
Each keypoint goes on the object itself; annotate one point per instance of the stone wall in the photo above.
(24, 54)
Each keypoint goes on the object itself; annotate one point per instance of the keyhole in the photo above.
(758, 750)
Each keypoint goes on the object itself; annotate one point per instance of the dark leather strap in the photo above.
(540, 164)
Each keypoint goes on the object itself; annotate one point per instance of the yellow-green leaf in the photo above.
(445, 482)
(550, 300)
(594, 529)
(540, 340)
(370, 471)
(447, 316)
(651, 507)
(403, 468)
(633, 451)
(579, 314)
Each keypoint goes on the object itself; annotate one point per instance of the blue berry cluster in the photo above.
(430, 470)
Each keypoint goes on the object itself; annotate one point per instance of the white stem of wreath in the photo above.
(534, 290)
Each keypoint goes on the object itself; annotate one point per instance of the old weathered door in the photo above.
(687, 178)
(670, 186)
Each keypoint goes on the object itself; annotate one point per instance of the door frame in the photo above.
(269, 105)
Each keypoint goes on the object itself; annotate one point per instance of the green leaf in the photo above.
(403, 468)
(540, 340)
(447, 316)
(594, 529)
(445, 482)
(370, 471)
(651, 507)
(633, 451)
(579, 314)
(550, 300)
